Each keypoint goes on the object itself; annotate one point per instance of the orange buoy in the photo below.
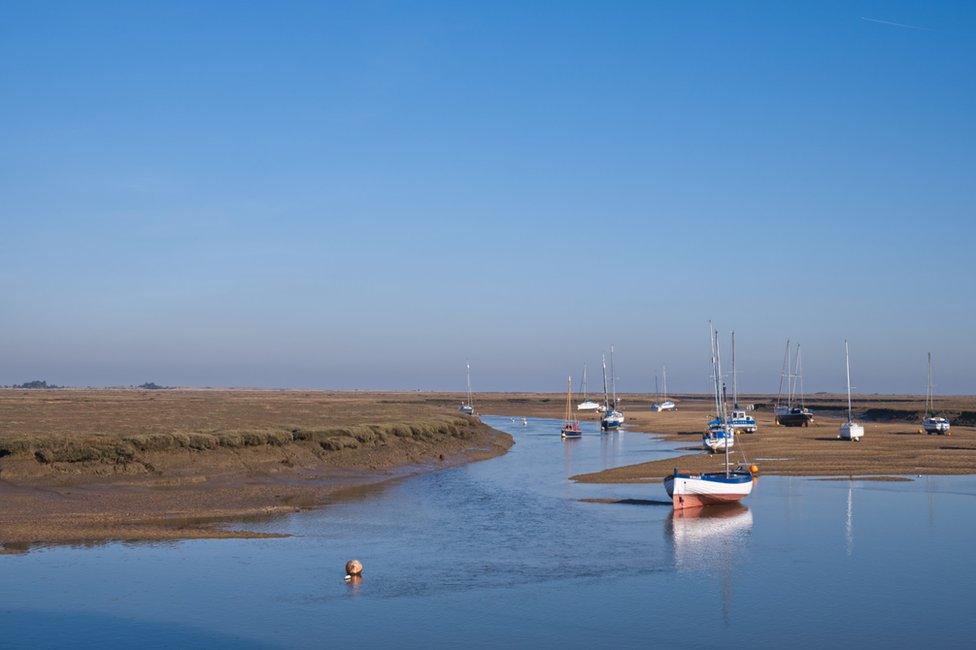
(354, 568)
(754, 469)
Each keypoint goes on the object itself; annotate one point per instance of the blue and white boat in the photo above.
(718, 437)
(612, 419)
(696, 490)
(738, 420)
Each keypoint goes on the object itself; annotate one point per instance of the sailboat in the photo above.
(468, 407)
(793, 413)
(720, 434)
(612, 418)
(571, 427)
(739, 419)
(850, 430)
(586, 404)
(933, 424)
(696, 490)
(664, 404)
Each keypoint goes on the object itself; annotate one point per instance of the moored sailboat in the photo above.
(586, 404)
(793, 413)
(850, 430)
(933, 424)
(711, 488)
(738, 418)
(664, 404)
(720, 435)
(571, 426)
(468, 407)
(612, 418)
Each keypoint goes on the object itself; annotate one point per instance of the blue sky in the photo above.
(364, 195)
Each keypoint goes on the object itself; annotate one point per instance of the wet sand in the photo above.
(90, 466)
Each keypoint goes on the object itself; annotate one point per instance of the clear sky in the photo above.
(364, 195)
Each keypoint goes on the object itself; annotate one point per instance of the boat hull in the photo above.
(935, 427)
(699, 490)
(613, 421)
(794, 419)
(851, 431)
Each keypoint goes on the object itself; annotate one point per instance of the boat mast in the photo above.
(468, 374)
(657, 391)
(783, 372)
(799, 375)
(735, 391)
(711, 341)
(928, 392)
(790, 377)
(722, 417)
(583, 386)
(613, 379)
(569, 399)
(847, 360)
(664, 372)
(606, 395)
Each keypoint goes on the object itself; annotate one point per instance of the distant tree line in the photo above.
(151, 385)
(37, 383)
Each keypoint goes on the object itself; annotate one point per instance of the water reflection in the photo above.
(849, 524)
(708, 538)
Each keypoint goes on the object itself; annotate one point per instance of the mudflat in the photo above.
(892, 443)
(79, 466)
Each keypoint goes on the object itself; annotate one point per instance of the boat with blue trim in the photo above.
(612, 419)
(689, 490)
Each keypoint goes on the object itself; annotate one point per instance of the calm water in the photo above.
(504, 552)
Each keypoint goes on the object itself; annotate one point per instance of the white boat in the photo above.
(468, 407)
(664, 404)
(612, 418)
(711, 488)
(720, 435)
(933, 424)
(850, 430)
(586, 404)
(738, 418)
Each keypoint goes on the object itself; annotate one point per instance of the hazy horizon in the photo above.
(365, 196)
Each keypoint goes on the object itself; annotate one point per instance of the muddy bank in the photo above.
(90, 466)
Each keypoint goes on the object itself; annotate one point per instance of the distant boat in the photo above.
(571, 426)
(793, 413)
(612, 418)
(850, 430)
(933, 424)
(586, 404)
(468, 407)
(710, 488)
(738, 418)
(664, 404)
(720, 435)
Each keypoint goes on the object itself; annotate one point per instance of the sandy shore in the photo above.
(90, 466)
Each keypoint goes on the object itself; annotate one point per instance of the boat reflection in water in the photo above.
(711, 540)
(708, 538)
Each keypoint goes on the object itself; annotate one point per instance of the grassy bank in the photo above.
(89, 465)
